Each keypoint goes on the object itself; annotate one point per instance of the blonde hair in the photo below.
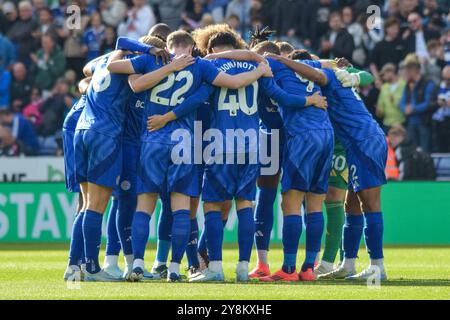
(202, 36)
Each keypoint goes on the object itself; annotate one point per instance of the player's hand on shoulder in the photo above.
(265, 69)
(342, 63)
(181, 62)
(160, 54)
(319, 101)
(272, 56)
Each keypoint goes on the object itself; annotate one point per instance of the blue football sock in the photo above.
(314, 231)
(202, 242)
(181, 228)
(140, 230)
(92, 233)
(264, 217)
(292, 230)
(76, 241)
(124, 220)
(214, 235)
(351, 236)
(112, 236)
(164, 230)
(374, 234)
(246, 233)
(191, 249)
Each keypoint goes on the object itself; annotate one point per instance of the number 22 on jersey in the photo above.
(177, 95)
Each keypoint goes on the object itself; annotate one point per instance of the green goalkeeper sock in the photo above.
(335, 222)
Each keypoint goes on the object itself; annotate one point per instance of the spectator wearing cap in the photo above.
(21, 32)
(441, 118)
(390, 95)
(390, 50)
(10, 12)
(17, 135)
(49, 63)
(113, 12)
(20, 87)
(418, 103)
(140, 18)
(417, 36)
(338, 42)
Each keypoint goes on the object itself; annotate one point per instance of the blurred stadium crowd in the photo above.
(407, 49)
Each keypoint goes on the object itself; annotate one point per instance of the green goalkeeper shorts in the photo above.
(339, 170)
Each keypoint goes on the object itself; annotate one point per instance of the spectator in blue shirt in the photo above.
(5, 83)
(17, 134)
(7, 52)
(418, 103)
(93, 37)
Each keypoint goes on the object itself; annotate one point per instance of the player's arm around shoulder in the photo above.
(302, 69)
(240, 55)
(241, 80)
(142, 82)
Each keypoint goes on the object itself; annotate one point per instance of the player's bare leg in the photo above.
(292, 228)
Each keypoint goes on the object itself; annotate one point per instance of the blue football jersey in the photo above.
(134, 120)
(172, 91)
(70, 122)
(298, 120)
(106, 101)
(269, 113)
(350, 118)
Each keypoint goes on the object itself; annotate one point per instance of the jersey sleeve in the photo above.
(124, 43)
(330, 77)
(312, 63)
(208, 70)
(272, 90)
(143, 63)
(194, 101)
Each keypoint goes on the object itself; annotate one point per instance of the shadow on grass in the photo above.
(342, 283)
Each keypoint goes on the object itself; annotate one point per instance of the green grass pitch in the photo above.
(35, 272)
